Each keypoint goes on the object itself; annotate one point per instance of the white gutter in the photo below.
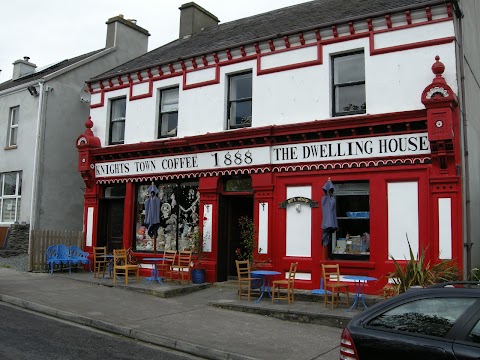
(36, 156)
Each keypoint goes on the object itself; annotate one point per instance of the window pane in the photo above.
(14, 116)
(169, 100)
(9, 210)
(241, 113)
(350, 98)
(118, 131)
(13, 136)
(349, 68)
(474, 335)
(241, 87)
(433, 317)
(10, 184)
(169, 124)
(118, 108)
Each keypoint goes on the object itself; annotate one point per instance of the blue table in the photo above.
(359, 282)
(155, 276)
(265, 284)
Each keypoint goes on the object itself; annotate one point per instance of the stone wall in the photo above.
(17, 240)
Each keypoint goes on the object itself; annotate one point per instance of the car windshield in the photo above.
(433, 317)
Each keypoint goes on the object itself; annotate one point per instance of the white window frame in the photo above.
(167, 112)
(9, 197)
(113, 120)
(247, 121)
(13, 128)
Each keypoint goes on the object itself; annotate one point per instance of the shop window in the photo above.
(352, 239)
(348, 84)
(240, 101)
(13, 127)
(117, 121)
(168, 113)
(10, 197)
(179, 214)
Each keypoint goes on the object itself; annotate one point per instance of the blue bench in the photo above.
(62, 255)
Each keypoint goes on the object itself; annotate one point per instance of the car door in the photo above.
(467, 345)
(417, 329)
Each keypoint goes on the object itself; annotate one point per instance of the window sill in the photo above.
(10, 147)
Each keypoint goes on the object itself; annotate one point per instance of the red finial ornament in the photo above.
(89, 123)
(438, 68)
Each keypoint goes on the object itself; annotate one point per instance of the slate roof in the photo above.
(292, 19)
(46, 71)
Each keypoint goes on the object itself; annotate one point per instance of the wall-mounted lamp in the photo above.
(32, 91)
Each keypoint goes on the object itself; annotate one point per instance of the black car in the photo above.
(439, 322)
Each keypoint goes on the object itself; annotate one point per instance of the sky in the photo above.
(49, 31)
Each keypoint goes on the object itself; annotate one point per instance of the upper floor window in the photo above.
(117, 121)
(168, 113)
(10, 196)
(240, 101)
(13, 126)
(348, 86)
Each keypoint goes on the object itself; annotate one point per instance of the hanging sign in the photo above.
(299, 200)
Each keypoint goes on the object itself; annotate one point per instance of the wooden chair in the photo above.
(100, 263)
(181, 267)
(164, 266)
(331, 281)
(244, 278)
(289, 283)
(121, 267)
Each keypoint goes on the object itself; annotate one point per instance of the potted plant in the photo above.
(417, 273)
(197, 247)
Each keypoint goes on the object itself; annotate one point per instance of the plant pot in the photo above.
(198, 276)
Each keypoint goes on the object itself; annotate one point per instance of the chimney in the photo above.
(193, 18)
(126, 34)
(23, 67)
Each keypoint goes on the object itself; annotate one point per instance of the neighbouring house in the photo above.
(253, 117)
(42, 111)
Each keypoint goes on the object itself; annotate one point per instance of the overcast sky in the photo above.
(49, 31)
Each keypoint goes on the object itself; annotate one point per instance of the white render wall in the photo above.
(394, 83)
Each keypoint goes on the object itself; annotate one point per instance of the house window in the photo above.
(13, 126)
(10, 196)
(348, 84)
(240, 101)
(117, 121)
(168, 113)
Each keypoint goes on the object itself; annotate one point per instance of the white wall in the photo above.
(394, 83)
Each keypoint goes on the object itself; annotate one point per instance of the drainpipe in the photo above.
(468, 244)
(36, 156)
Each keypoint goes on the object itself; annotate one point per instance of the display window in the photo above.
(352, 239)
(178, 209)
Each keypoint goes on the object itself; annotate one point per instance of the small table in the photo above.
(265, 285)
(155, 276)
(360, 282)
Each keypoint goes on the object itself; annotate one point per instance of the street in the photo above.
(26, 335)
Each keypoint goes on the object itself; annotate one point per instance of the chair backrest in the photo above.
(184, 258)
(331, 273)
(77, 253)
(243, 268)
(119, 257)
(51, 252)
(99, 251)
(292, 272)
(63, 252)
(170, 255)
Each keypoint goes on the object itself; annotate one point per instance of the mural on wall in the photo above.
(179, 204)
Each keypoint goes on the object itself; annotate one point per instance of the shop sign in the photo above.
(320, 151)
(299, 200)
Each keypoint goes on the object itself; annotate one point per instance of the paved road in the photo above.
(26, 335)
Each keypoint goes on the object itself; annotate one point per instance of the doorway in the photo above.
(110, 224)
(232, 208)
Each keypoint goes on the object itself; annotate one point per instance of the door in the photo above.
(232, 208)
(110, 224)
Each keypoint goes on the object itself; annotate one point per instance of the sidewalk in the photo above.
(198, 320)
